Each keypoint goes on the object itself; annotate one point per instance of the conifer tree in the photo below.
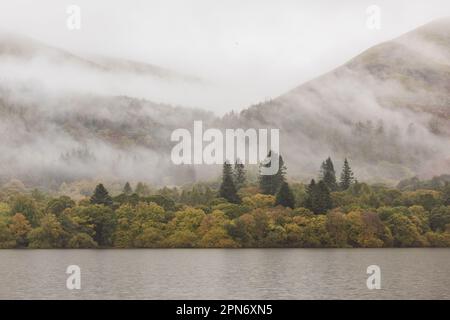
(318, 198)
(239, 174)
(270, 184)
(310, 193)
(285, 197)
(127, 189)
(329, 174)
(227, 188)
(101, 196)
(323, 198)
(142, 189)
(346, 176)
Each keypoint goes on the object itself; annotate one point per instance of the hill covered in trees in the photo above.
(330, 211)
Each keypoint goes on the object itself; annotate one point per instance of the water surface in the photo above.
(226, 274)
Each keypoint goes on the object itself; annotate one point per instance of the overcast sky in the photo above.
(251, 50)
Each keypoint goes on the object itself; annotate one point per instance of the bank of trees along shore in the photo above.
(272, 212)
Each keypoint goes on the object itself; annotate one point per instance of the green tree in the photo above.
(440, 218)
(346, 176)
(323, 198)
(127, 189)
(57, 206)
(446, 194)
(404, 231)
(102, 219)
(150, 237)
(81, 241)
(239, 175)
(182, 239)
(6, 237)
(227, 188)
(318, 198)
(270, 184)
(101, 196)
(285, 196)
(329, 174)
(48, 235)
(26, 206)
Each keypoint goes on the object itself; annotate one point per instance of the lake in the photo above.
(226, 274)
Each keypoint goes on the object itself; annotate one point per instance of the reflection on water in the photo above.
(226, 274)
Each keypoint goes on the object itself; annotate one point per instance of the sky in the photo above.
(247, 51)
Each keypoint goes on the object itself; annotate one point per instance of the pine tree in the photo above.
(310, 194)
(101, 196)
(285, 197)
(318, 198)
(227, 188)
(127, 189)
(239, 175)
(270, 184)
(142, 189)
(346, 176)
(329, 174)
(323, 198)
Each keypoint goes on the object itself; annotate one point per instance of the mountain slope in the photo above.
(387, 109)
(24, 49)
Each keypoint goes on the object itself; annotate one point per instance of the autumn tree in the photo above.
(26, 206)
(58, 205)
(6, 237)
(20, 227)
(48, 235)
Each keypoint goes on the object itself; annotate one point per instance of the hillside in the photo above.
(387, 110)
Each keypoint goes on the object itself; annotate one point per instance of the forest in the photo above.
(332, 211)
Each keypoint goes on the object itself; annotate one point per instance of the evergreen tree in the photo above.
(346, 176)
(227, 188)
(142, 189)
(329, 174)
(323, 198)
(101, 196)
(310, 193)
(285, 197)
(318, 198)
(239, 175)
(270, 184)
(127, 189)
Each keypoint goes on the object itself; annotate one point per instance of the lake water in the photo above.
(226, 274)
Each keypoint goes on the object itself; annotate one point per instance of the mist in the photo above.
(256, 50)
(97, 111)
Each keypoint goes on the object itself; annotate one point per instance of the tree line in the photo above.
(318, 194)
(272, 212)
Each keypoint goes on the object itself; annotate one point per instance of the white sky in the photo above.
(251, 50)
